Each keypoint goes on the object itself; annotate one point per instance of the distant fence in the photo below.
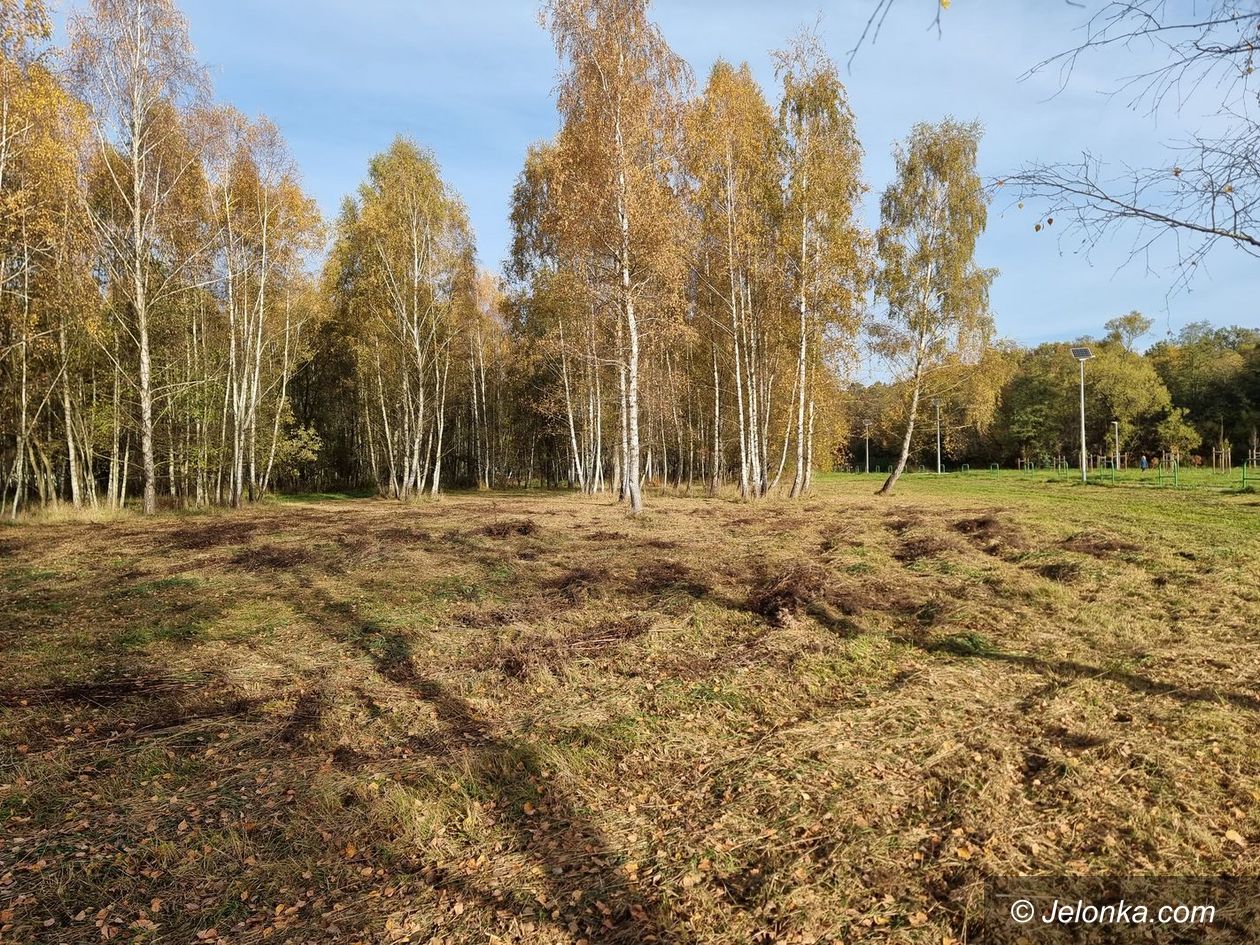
(1161, 474)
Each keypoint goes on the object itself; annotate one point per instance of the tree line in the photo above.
(1181, 398)
(155, 300)
(688, 291)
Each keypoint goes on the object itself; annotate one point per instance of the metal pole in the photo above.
(1116, 426)
(868, 450)
(1084, 474)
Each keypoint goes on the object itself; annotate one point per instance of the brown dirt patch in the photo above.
(1063, 572)
(272, 557)
(212, 533)
(1098, 544)
(901, 523)
(606, 536)
(493, 615)
(853, 599)
(100, 692)
(581, 583)
(784, 595)
(991, 534)
(530, 654)
(839, 537)
(359, 549)
(670, 576)
(922, 546)
(506, 528)
(403, 534)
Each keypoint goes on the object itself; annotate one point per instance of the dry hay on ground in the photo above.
(369, 721)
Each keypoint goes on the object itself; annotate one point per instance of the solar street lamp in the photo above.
(936, 402)
(1083, 355)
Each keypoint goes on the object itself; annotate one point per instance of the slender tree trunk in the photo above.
(893, 476)
(126, 469)
(72, 455)
(757, 473)
(798, 481)
(440, 422)
(787, 432)
(115, 456)
(623, 452)
(255, 396)
(284, 394)
(19, 472)
(633, 484)
(475, 431)
(717, 437)
(809, 449)
(735, 303)
(599, 414)
(140, 299)
(568, 407)
(172, 481)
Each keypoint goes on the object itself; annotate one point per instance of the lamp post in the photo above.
(1083, 355)
(868, 444)
(1115, 426)
(936, 402)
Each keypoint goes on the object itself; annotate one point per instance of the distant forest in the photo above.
(689, 294)
(1182, 397)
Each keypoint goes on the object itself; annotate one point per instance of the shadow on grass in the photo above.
(966, 646)
(586, 887)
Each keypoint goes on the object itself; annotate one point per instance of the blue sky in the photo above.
(473, 81)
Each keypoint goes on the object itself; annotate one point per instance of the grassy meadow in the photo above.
(530, 718)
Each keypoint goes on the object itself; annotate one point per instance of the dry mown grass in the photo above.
(533, 720)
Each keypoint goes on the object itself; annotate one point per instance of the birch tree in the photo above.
(23, 30)
(264, 225)
(134, 65)
(619, 147)
(825, 249)
(404, 263)
(561, 310)
(45, 278)
(936, 297)
(734, 159)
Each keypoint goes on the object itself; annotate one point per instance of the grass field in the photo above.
(529, 718)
